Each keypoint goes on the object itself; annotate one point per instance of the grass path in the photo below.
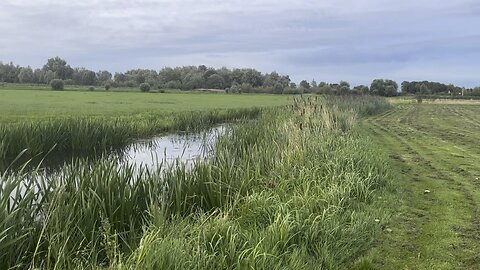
(436, 223)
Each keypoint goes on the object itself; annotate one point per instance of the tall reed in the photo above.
(82, 135)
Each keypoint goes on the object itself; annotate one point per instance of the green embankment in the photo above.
(435, 148)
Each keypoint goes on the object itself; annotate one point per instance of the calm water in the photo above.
(169, 148)
(149, 153)
(154, 153)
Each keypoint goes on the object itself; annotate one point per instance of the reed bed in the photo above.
(80, 135)
(296, 188)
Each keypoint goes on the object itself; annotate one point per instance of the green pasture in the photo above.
(18, 105)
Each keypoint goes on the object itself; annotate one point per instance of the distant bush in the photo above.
(107, 86)
(245, 88)
(293, 91)
(91, 88)
(57, 84)
(144, 87)
(278, 88)
(69, 82)
(173, 85)
(162, 91)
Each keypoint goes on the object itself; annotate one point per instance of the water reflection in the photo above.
(147, 153)
(170, 148)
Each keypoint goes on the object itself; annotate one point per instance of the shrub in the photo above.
(57, 84)
(91, 88)
(162, 91)
(107, 86)
(278, 88)
(144, 87)
(173, 85)
(69, 82)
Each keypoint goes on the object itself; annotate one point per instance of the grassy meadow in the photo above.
(40, 121)
(295, 187)
(24, 105)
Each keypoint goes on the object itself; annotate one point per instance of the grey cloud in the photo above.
(327, 40)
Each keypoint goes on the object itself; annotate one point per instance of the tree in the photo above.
(384, 87)
(343, 88)
(305, 85)
(83, 76)
(144, 87)
(59, 67)
(215, 81)
(120, 78)
(173, 85)
(193, 80)
(104, 76)
(9, 72)
(391, 88)
(26, 75)
(57, 84)
(252, 77)
(278, 88)
(363, 89)
(325, 89)
(246, 88)
(168, 74)
(48, 76)
(226, 74)
(235, 88)
(390, 91)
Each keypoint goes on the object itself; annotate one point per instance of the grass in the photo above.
(27, 105)
(434, 147)
(295, 189)
(80, 135)
(82, 122)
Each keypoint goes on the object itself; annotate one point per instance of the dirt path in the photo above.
(436, 223)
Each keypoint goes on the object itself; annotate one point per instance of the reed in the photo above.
(80, 135)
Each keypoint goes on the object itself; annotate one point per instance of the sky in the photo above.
(325, 40)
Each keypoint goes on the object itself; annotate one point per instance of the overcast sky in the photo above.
(326, 40)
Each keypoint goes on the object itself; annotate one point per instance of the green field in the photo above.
(436, 152)
(18, 105)
(40, 121)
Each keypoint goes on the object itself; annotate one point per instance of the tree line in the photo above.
(245, 80)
